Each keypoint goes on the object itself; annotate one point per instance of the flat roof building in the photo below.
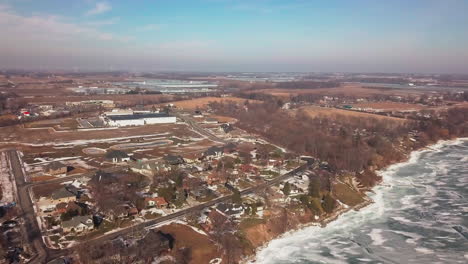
(139, 119)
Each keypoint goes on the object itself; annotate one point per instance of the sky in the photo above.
(418, 36)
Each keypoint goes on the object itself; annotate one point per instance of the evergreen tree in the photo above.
(287, 188)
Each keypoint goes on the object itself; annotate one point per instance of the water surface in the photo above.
(420, 215)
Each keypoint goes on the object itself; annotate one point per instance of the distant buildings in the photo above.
(103, 103)
(133, 118)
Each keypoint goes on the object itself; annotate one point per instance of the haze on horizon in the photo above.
(425, 36)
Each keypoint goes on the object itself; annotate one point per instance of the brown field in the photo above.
(346, 90)
(16, 134)
(223, 119)
(69, 123)
(203, 250)
(389, 106)
(315, 111)
(204, 101)
(124, 98)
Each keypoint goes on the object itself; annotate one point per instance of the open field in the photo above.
(315, 111)
(390, 106)
(203, 250)
(61, 123)
(204, 101)
(48, 136)
(223, 119)
(346, 90)
(123, 98)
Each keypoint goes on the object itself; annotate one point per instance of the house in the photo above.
(231, 210)
(215, 178)
(200, 192)
(190, 157)
(227, 128)
(147, 168)
(78, 224)
(117, 156)
(158, 202)
(213, 152)
(61, 195)
(120, 211)
(174, 159)
(60, 209)
(56, 168)
(248, 169)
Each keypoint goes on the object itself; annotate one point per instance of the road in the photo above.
(198, 128)
(197, 208)
(32, 231)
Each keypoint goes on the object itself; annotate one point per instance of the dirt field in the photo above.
(204, 101)
(346, 90)
(390, 106)
(315, 111)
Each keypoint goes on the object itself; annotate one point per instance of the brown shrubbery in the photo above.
(347, 143)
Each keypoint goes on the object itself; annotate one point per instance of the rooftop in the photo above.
(137, 116)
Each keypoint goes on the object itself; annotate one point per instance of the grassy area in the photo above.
(103, 228)
(269, 173)
(243, 184)
(347, 195)
(152, 216)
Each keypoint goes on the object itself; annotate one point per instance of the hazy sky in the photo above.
(236, 35)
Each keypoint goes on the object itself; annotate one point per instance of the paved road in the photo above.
(198, 128)
(31, 231)
(197, 208)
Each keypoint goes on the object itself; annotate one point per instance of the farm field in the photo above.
(204, 101)
(345, 90)
(315, 111)
(390, 106)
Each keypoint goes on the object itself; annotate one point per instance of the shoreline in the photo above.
(367, 200)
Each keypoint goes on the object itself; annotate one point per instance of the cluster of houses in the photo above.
(217, 171)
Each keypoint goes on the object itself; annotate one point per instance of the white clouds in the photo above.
(99, 8)
(26, 34)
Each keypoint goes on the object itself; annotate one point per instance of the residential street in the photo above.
(32, 232)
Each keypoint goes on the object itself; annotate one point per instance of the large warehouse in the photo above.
(138, 119)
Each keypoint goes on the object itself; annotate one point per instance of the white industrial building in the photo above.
(129, 118)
